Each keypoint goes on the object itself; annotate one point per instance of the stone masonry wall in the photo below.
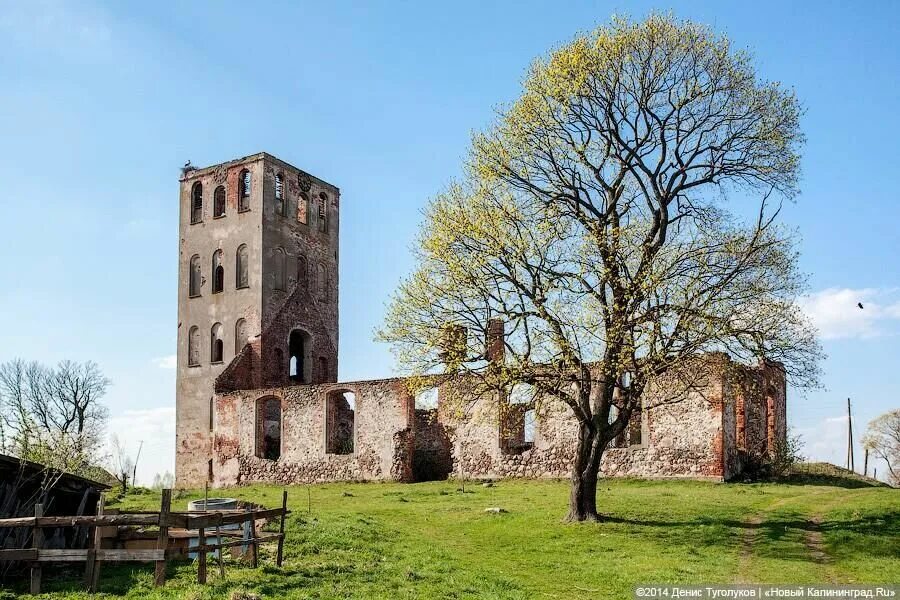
(382, 439)
(689, 433)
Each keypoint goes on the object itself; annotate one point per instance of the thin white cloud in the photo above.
(166, 362)
(836, 312)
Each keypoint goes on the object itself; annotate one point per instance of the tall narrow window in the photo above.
(194, 277)
(302, 272)
(322, 282)
(244, 190)
(303, 208)
(323, 212)
(279, 270)
(323, 369)
(218, 272)
(340, 422)
(240, 268)
(635, 433)
(240, 335)
(268, 428)
(197, 203)
(217, 347)
(219, 202)
(279, 194)
(300, 350)
(194, 346)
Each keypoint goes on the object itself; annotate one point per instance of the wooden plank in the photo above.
(211, 519)
(162, 542)
(62, 555)
(280, 555)
(261, 539)
(98, 545)
(37, 540)
(201, 557)
(82, 521)
(123, 555)
(18, 554)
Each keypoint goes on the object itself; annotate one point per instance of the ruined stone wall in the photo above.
(382, 436)
(686, 432)
(681, 435)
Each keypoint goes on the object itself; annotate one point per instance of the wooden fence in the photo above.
(204, 522)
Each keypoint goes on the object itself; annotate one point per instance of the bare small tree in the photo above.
(592, 221)
(53, 415)
(882, 439)
(122, 464)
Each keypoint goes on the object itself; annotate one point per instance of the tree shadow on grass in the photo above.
(872, 535)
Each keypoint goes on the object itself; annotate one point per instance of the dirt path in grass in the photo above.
(815, 544)
(812, 540)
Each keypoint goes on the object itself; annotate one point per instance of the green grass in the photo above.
(429, 540)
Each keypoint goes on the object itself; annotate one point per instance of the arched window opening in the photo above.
(303, 209)
(197, 203)
(218, 272)
(244, 190)
(322, 281)
(302, 272)
(427, 399)
(323, 212)
(240, 335)
(279, 270)
(635, 429)
(194, 283)
(279, 194)
(530, 426)
(242, 278)
(194, 346)
(514, 416)
(219, 202)
(300, 352)
(217, 349)
(268, 428)
(340, 422)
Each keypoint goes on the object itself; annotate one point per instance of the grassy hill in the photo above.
(432, 540)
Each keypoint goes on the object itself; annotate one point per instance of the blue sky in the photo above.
(102, 103)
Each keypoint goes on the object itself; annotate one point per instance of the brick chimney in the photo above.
(495, 347)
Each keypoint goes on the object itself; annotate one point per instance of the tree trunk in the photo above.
(583, 495)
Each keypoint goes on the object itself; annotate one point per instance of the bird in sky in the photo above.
(859, 304)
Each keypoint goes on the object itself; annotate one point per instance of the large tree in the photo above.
(592, 219)
(53, 414)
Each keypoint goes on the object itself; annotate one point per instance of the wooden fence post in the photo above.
(254, 545)
(98, 541)
(280, 555)
(201, 556)
(162, 542)
(219, 541)
(37, 540)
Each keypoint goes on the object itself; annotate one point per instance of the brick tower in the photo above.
(257, 290)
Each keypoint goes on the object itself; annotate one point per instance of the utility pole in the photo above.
(850, 463)
(866, 464)
(134, 474)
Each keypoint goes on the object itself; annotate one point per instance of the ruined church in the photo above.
(258, 397)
